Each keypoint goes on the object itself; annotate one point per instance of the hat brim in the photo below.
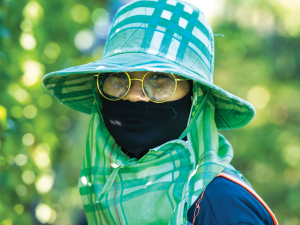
(73, 86)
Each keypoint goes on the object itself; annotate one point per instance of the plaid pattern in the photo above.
(174, 30)
(163, 185)
(171, 36)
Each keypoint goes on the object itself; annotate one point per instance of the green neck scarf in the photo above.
(161, 186)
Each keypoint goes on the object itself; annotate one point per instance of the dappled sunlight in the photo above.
(258, 97)
(33, 11)
(28, 139)
(28, 176)
(27, 41)
(44, 183)
(84, 39)
(80, 13)
(33, 72)
(30, 111)
(45, 214)
(42, 142)
(18, 93)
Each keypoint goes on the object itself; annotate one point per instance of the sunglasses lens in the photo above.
(113, 86)
(159, 87)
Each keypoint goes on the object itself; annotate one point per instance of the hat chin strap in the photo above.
(198, 112)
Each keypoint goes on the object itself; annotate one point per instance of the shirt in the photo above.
(225, 202)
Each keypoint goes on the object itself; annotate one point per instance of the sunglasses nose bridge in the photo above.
(136, 79)
(135, 86)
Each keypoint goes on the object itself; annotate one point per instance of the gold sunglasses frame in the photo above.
(142, 80)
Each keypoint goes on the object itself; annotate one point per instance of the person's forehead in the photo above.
(138, 74)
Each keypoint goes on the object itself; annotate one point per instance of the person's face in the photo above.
(136, 92)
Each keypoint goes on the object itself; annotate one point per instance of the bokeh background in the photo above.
(42, 142)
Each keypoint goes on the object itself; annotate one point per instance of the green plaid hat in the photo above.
(169, 36)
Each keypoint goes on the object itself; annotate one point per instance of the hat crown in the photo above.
(172, 29)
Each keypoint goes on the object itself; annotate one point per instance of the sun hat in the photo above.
(170, 36)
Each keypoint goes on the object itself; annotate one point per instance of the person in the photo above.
(153, 152)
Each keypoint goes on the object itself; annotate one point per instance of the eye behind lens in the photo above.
(114, 86)
(159, 87)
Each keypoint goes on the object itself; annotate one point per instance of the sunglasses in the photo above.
(157, 87)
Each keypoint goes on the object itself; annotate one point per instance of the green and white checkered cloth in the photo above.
(160, 187)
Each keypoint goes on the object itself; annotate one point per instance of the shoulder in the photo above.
(225, 202)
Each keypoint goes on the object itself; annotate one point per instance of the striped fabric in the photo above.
(171, 36)
(160, 187)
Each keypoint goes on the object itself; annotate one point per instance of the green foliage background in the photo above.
(42, 141)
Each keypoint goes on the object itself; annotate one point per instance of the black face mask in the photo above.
(140, 126)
